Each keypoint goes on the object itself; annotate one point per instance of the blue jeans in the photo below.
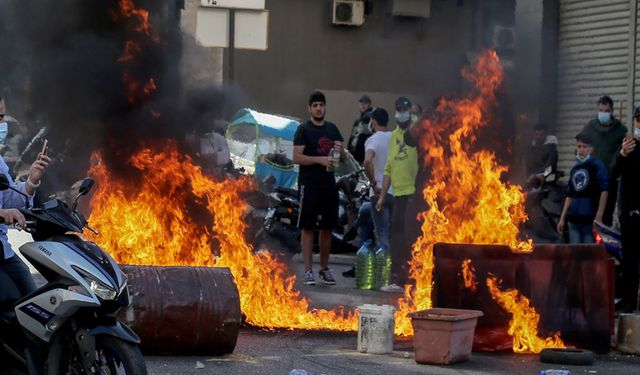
(382, 220)
(364, 223)
(580, 232)
(15, 280)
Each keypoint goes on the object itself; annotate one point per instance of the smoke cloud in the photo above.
(67, 65)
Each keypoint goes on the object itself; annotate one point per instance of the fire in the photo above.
(467, 199)
(469, 275)
(523, 326)
(140, 16)
(148, 222)
(133, 48)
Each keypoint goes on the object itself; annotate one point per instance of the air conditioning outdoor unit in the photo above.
(348, 12)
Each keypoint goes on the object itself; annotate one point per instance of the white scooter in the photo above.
(69, 325)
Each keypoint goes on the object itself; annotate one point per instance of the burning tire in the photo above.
(579, 357)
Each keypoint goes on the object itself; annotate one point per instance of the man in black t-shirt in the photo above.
(313, 143)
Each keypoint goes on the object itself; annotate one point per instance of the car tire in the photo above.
(568, 356)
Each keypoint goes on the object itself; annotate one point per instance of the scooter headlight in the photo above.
(101, 290)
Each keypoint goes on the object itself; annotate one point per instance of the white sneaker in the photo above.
(393, 288)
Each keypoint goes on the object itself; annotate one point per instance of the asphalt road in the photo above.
(260, 352)
(278, 352)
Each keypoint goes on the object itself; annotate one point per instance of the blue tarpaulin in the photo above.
(272, 125)
(268, 126)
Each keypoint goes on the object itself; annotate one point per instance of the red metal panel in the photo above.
(183, 310)
(569, 285)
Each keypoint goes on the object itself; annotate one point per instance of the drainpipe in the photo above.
(631, 63)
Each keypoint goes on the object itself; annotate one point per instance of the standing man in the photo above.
(626, 165)
(586, 194)
(15, 279)
(313, 144)
(606, 133)
(360, 131)
(400, 174)
(375, 159)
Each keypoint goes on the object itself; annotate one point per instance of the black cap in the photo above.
(365, 98)
(403, 104)
(317, 96)
(380, 115)
(636, 113)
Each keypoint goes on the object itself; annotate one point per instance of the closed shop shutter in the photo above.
(593, 47)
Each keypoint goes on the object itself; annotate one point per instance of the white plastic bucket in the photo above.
(375, 329)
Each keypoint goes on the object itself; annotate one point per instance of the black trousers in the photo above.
(404, 232)
(612, 198)
(630, 230)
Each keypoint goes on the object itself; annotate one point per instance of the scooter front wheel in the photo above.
(114, 356)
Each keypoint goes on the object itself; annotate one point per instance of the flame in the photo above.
(147, 222)
(468, 202)
(524, 320)
(131, 51)
(133, 48)
(469, 275)
(140, 17)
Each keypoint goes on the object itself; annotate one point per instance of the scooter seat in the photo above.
(287, 191)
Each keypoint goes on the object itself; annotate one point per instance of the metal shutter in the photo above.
(593, 41)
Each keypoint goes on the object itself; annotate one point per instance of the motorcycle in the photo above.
(274, 212)
(354, 192)
(277, 230)
(612, 241)
(544, 202)
(69, 325)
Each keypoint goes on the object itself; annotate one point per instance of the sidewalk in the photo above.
(344, 293)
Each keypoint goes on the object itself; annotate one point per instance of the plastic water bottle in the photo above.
(297, 371)
(555, 372)
(383, 268)
(365, 267)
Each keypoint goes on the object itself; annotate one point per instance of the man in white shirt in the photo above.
(375, 158)
(215, 151)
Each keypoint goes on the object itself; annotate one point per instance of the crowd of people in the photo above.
(601, 179)
(391, 166)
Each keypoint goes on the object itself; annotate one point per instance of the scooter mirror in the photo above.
(85, 187)
(4, 182)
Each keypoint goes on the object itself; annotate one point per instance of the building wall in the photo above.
(388, 56)
(199, 65)
(593, 61)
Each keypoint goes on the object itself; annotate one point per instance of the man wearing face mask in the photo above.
(626, 166)
(586, 194)
(400, 173)
(15, 278)
(606, 132)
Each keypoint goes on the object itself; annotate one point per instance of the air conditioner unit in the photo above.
(411, 8)
(348, 12)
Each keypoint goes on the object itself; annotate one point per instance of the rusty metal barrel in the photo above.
(570, 286)
(183, 310)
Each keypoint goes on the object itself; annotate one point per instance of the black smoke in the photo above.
(60, 68)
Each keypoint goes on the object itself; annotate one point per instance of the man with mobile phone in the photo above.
(626, 164)
(15, 278)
